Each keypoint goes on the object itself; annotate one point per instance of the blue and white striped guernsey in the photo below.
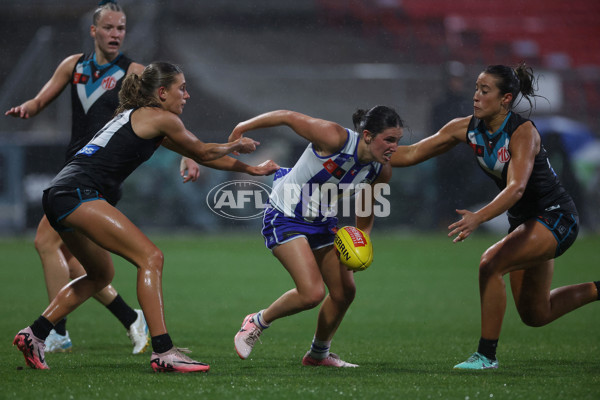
(311, 189)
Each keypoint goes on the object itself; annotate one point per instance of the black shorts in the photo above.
(563, 222)
(59, 202)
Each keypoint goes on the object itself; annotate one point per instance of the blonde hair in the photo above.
(105, 6)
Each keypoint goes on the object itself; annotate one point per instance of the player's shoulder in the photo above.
(460, 122)
(164, 120)
(65, 68)
(70, 61)
(135, 68)
(457, 127)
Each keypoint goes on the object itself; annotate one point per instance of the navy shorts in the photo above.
(278, 229)
(59, 202)
(563, 222)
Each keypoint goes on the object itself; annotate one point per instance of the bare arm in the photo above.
(326, 136)
(150, 122)
(190, 170)
(227, 163)
(523, 147)
(50, 91)
(449, 136)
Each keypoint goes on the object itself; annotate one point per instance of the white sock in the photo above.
(319, 350)
(261, 322)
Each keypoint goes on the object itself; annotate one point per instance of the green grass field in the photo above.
(416, 314)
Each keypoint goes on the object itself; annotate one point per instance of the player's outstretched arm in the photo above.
(50, 91)
(446, 138)
(326, 136)
(227, 163)
(151, 122)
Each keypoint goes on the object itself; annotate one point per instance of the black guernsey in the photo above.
(94, 97)
(543, 189)
(108, 159)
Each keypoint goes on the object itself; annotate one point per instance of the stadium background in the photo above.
(324, 58)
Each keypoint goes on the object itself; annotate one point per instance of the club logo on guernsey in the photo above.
(90, 90)
(503, 155)
(109, 83)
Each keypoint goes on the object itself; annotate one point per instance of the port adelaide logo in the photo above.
(239, 200)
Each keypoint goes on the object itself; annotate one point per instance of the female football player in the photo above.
(543, 218)
(93, 105)
(298, 227)
(78, 204)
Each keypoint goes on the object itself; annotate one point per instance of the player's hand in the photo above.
(266, 168)
(18, 112)
(235, 135)
(189, 169)
(246, 145)
(463, 228)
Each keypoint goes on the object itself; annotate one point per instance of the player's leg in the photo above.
(59, 268)
(537, 304)
(342, 291)
(30, 340)
(99, 273)
(56, 268)
(112, 230)
(55, 265)
(297, 258)
(529, 244)
(35, 339)
(132, 320)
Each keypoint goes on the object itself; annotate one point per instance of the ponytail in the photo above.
(140, 90)
(518, 80)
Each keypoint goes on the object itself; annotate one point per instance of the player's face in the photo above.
(176, 95)
(487, 100)
(383, 145)
(109, 33)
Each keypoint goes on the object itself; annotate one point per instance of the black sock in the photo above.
(122, 311)
(162, 343)
(597, 283)
(41, 328)
(488, 348)
(61, 327)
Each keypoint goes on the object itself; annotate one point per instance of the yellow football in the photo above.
(354, 248)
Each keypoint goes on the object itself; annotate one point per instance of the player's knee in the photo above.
(534, 316)
(155, 260)
(46, 241)
(488, 266)
(533, 319)
(344, 296)
(101, 278)
(350, 294)
(313, 297)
